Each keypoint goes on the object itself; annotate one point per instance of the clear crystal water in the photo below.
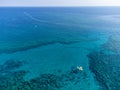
(41, 48)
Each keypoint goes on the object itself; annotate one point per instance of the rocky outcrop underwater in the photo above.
(106, 65)
(31, 45)
(106, 69)
(113, 43)
(13, 79)
(9, 48)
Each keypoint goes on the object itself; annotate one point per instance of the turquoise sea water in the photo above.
(40, 48)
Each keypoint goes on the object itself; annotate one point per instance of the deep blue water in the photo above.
(41, 48)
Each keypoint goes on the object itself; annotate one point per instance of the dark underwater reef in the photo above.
(105, 63)
(32, 45)
(11, 79)
(106, 68)
(113, 43)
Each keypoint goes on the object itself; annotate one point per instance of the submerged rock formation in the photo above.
(106, 68)
(31, 45)
(19, 46)
(11, 79)
(113, 43)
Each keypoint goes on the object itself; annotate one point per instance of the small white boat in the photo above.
(80, 68)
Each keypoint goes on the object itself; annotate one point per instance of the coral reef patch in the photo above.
(11, 79)
(32, 45)
(105, 63)
(106, 68)
(113, 43)
(19, 46)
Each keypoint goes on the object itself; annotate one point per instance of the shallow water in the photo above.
(40, 48)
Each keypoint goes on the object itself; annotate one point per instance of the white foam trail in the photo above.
(35, 19)
(39, 20)
(49, 22)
